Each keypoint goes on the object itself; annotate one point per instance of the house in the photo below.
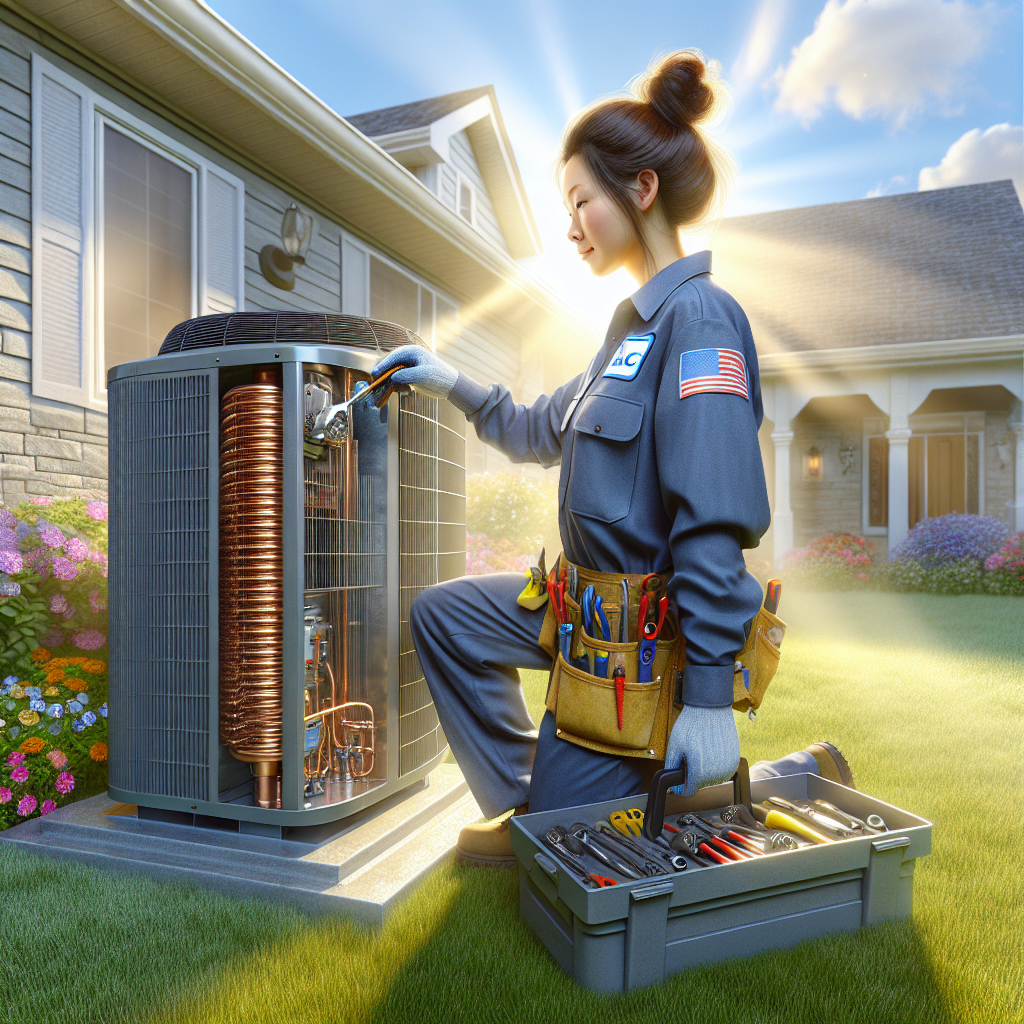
(148, 153)
(890, 338)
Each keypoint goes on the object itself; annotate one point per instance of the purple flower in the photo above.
(8, 518)
(65, 783)
(5, 795)
(89, 640)
(97, 510)
(58, 604)
(89, 718)
(33, 691)
(11, 562)
(946, 539)
(48, 805)
(64, 568)
(19, 774)
(9, 539)
(52, 536)
(15, 757)
(26, 806)
(22, 529)
(76, 549)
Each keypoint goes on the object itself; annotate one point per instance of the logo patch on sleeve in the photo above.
(629, 357)
(713, 369)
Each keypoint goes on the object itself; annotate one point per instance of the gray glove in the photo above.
(708, 738)
(428, 374)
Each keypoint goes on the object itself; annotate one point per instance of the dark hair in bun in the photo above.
(658, 127)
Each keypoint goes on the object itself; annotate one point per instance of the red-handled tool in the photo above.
(620, 691)
(728, 849)
(647, 632)
(601, 881)
(713, 854)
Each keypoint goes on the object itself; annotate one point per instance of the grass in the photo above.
(922, 693)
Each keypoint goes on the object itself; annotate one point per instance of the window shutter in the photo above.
(224, 281)
(61, 233)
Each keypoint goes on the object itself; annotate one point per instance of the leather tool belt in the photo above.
(585, 706)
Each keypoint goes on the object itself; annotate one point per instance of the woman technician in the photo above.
(660, 465)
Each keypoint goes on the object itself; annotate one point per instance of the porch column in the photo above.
(782, 516)
(1018, 476)
(899, 457)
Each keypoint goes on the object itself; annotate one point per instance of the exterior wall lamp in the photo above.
(813, 464)
(276, 263)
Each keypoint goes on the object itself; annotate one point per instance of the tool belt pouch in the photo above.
(760, 657)
(585, 706)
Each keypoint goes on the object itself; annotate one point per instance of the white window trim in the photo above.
(349, 301)
(460, 181)
(98, 111)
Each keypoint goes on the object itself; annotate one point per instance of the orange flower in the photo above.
(55, 675)
(59, 663)
(77, 661)
(40, 654)
(98, 751)
(74, 683)
(94, 666)
(32, 745)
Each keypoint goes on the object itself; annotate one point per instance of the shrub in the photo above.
(837, 561)
(518, 510)
(950, 538)
(486, 555)
(1004, 570)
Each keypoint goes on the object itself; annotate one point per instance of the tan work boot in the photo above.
(488, 843)
(831, 763)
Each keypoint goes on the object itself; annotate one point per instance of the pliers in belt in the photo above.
(647, 632)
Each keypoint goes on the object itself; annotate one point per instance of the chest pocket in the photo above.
(605, 446)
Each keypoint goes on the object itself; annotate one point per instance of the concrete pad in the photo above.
(356, 867)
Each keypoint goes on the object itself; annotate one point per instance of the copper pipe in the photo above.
(251, 593)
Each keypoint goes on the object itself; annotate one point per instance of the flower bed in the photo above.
(53, 607)
(837, 561)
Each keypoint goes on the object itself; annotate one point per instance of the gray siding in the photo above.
(463, 158)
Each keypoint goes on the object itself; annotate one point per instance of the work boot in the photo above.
(488, 843)
(820, 758)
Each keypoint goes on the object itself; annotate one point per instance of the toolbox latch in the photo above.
(646, 934)
(881, 884)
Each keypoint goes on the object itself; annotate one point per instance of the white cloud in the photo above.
(978, 156)
(897, 183)
(886, 57)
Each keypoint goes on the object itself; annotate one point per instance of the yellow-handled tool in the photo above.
(777, 819)
(629, 822)
(535, 593)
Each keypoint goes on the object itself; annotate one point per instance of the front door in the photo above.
(943, 475)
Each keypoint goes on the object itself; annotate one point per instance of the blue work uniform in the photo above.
(661, 471)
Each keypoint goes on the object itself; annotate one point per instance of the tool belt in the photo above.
(585, 705)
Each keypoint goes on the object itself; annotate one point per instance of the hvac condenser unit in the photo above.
(261, 572)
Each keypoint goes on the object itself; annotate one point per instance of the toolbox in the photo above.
(639, 932)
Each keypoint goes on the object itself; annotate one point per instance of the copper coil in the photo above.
(251, 592)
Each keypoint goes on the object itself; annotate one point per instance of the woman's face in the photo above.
(602, 234)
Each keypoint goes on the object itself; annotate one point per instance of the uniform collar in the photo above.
(650, 298)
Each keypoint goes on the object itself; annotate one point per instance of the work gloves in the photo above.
(425, 372)
(707, 737)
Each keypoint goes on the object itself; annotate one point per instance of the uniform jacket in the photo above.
(658, 474)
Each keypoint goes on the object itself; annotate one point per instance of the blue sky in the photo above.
(833, 100)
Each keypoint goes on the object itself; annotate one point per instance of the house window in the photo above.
(132, 232)
(147, 248)
(465, 200)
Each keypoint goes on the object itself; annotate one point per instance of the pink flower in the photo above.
(76, 549)
(53, 639)
(26, 806)
(65, 783)
(8, 518)
(5, 795)
(42, 501)
(52, 536)
(96, 602)
(19, 774)
(98, 557)
(48, 805)
(58, 604)
(11, 562)
(89, 640)
(57, 758)
(64, 569)
(15, 757)
(97, 510)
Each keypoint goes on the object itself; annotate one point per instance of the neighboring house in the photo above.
(147, 155)
(890, 337)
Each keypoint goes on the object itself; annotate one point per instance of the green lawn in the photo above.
(922, 693)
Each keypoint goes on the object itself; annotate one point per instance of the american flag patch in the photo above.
(713, 369)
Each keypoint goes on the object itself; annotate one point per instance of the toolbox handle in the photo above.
(663, 781)
(890, 844)
(547, 865)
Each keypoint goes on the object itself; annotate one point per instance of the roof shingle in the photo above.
(415, 115)
(921, 266)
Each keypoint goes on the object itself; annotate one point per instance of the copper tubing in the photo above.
(251, 595)
(337, 719)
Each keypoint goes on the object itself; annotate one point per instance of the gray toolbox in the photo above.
(637, 933)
